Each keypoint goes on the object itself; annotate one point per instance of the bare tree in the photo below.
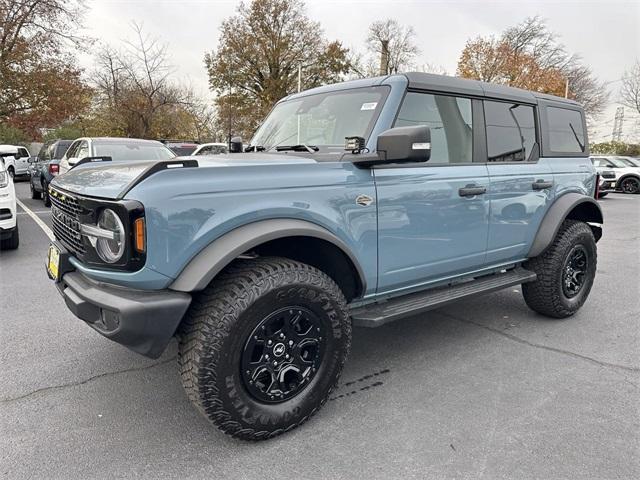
(135, 86)
(394, 44)
(530, 56)
(630, 89)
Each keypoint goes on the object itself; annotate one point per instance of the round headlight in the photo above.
(111, 250)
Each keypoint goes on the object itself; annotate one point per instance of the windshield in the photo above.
(133, 151)
(618, 163)
(630, 162)
(323, 119)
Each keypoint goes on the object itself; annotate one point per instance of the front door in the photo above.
(521, 183)
(433, 216)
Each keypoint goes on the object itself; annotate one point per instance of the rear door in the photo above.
(521, 187)
(429, 227)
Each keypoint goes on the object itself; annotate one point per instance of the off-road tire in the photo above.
(34, 193)
(12, 242)
(546, 295)
(215, 329)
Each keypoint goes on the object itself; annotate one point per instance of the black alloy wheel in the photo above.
(575, 271)
(630, 185)
(283, 354)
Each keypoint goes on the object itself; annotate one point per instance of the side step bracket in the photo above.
(377, 314)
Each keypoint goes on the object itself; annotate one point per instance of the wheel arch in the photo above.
(624, 177)
(295, 239)
(573, 206)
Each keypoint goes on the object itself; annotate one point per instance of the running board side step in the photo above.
(377, 314)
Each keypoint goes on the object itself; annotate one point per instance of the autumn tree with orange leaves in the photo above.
(40, 82)
(529, 56)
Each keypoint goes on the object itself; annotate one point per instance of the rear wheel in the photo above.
(566, 271)
(263, 346)
(630, 185)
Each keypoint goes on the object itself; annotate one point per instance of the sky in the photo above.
(606, 34)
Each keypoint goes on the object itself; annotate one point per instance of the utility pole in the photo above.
(616, 134)
(384, 57)
(566, 88)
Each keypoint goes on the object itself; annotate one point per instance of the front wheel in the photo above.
(45, 194)
(565, 270)
(630, 185)
(13, 241)
(263, 346)
(34, 193)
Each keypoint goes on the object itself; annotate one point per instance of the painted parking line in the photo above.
(45, 228)
(37, 212)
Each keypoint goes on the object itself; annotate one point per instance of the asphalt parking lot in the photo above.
(482, 389)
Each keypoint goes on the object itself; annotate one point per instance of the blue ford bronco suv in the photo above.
(354, 204)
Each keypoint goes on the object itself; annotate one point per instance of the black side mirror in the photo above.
(235, 146)
(405, 144)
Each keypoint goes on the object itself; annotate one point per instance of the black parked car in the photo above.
(45, 166)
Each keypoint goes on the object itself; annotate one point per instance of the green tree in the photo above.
(616, 148)
(257, 61)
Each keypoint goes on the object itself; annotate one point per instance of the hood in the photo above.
(113, 180)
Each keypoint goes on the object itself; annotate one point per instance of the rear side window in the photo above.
(511, 131)
(566, 134)
(450, 122)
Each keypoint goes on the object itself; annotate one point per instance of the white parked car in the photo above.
(211, 149)
(115, 148)
(15, 159)
(9, 237)
(627, 177)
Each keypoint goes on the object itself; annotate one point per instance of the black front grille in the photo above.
(65, 211)
(608, 174)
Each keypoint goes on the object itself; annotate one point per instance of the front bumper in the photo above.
(607, 186)
(141, 320)
(7, 210)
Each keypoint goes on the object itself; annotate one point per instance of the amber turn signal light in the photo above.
(139, 243)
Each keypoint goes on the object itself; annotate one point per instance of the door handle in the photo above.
(472, 190)
(541, 185)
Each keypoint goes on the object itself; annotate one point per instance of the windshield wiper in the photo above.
(255, 148)
(301, 147)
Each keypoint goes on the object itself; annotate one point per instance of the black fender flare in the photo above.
(202, 268)
(569, 205)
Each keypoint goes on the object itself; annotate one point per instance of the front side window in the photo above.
(322, 120)
(566, 134)
(71, 153)
(511, 131)
(448, 118)
(83, 151)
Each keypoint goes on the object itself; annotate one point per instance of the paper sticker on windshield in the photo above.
(369, 106)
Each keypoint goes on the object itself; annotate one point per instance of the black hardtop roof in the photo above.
(463, 86)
